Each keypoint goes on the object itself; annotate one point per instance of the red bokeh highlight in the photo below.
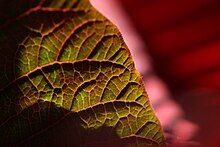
(183, 38)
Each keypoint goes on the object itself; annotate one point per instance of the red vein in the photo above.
(52, 63)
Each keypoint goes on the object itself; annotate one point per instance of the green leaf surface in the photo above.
(67, 79)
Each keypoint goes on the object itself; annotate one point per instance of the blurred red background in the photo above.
(183, 38)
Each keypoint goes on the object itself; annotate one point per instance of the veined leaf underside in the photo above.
(67, 78)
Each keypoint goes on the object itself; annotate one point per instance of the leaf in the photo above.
(67, 79)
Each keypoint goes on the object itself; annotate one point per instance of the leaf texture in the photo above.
(68, 79)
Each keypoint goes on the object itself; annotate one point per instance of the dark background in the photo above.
(183, 38)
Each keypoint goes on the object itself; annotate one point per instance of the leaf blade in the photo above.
(66, 60)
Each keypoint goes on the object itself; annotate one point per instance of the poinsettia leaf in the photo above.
(67, 79)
